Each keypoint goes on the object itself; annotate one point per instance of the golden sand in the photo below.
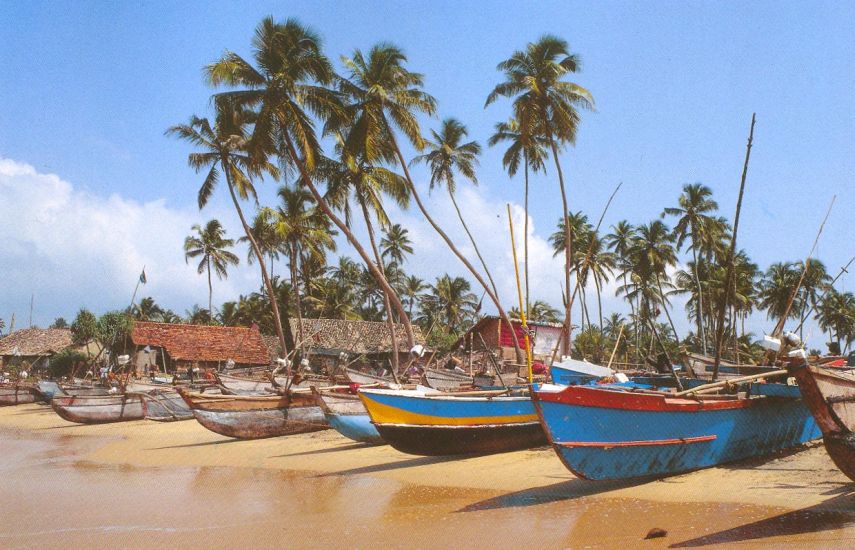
(522, 488)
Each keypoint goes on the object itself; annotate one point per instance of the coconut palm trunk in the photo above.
(375, 272)
(472, 240)
(701, 333)
(210, 290)
(568, 246)
(295, 288)
(472, 270)
(525, 236)
(286, 341)
(386, 303)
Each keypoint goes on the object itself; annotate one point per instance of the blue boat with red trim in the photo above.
(607, 432)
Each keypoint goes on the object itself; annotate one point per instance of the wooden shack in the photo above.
(491, 332)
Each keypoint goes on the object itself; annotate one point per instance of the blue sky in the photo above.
(88, 89)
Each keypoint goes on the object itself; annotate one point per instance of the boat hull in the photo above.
(602, 434)
(346, 414)
(99, 409)
(462, 440)
(256, 417)
(428, 424)
(830, 396)
(259, 424)
(16, 396)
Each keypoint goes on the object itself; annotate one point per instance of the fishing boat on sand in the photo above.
(433, 423)
(99, 409)
(830, 396)
(346, 414)
(446, 379)
(256, 416)
(17, 394)
(611, 432)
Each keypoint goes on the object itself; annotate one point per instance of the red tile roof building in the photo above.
(203, 345)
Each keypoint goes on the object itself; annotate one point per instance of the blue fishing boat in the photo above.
(432, 423)
(571, 372)
(346, 414)
(607, 432)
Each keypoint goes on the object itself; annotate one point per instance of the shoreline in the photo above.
(802, 477)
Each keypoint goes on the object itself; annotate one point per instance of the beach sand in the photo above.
(335, 488)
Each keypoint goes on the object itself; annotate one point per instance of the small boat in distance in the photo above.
(99, 409)
(17, 394)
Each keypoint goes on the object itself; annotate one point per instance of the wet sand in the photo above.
(138, 484)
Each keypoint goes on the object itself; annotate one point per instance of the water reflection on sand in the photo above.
(51, 496)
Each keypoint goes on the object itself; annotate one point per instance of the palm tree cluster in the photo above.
(339, 140)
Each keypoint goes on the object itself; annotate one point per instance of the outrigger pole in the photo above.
(519, 293)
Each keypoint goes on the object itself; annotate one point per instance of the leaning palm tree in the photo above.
(530, 145)
(776, 288)
(692, 213)
(224, 150)
(544, 102)
(291, 83)
(211, 246)
(447, 155)
(383, 96)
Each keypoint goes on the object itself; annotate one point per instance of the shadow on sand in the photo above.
(835, 513)
(189, 445)
(565, 490)
(388, 466)
(349, 447)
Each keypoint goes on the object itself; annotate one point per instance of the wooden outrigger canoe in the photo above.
(256, 416)
(17, 394)
(607, 432)
(446, 380)
(435, 423)
(99, 409)
(830, 396)
(346, 414)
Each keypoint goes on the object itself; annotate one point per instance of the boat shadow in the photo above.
(569, 489)
(389, 466)
(202, 444)
(350, 447)
(835, 513)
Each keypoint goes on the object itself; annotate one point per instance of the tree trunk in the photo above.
(568, 246)
(700, 312)
(210, 292)
(454, 249)
(295, 288)
(472, 240)
(386, 304)
(378, 276)
(525, 237)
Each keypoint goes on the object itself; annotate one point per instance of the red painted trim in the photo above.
(624, 400)
(650, 443)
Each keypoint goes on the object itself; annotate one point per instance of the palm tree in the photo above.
(620, 242)
(384, 96)
(264, 233)
(290, 84)
(447, 155)
(692, 212)
(395, 243)
(815, 280)
(449, 303)
(224, 149)
(531, 146)
(148, 310)
(836, 315)
(413, 287)
(543, 101)
(302, 230)
(211, 246)
(776, 288)
(579, 227)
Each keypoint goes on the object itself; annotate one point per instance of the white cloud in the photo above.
(71, 249)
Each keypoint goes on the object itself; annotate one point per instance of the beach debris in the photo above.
(656, 533)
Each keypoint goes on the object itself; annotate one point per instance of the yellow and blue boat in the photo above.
(432, 423)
